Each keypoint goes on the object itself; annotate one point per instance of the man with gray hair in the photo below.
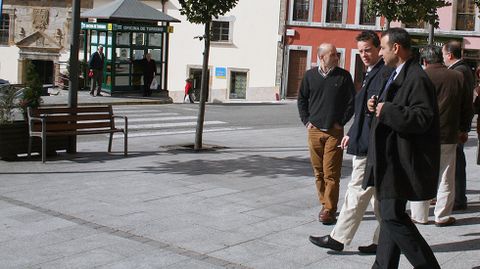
(325, 105)
(452, 57)
(455, 118)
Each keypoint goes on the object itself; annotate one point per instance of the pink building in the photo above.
(311, 22)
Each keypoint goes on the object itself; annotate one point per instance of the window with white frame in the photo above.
(365, 18)
(301, 10)
(4, 29)
(220, 31)
(465, 15)
(334, 11)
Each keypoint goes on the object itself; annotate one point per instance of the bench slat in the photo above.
(67, 110)
(78, 118)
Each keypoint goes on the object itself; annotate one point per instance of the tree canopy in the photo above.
(202, 11)
(408, 11)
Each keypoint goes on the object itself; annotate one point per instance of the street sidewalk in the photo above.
(60, 98)
(250, 203)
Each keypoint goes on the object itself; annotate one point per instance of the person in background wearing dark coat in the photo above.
(356, 142)
(149, 72)
(452, 56)
(476, 107)
(455, 115)
(326, 104)
(404, 153)
(96, 63)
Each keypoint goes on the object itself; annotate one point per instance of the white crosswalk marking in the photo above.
(147, 119)
(156, 121)
(170, 125)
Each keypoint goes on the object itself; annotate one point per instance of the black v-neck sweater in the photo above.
(323, 101)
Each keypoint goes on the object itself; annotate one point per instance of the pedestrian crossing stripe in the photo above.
(160, 119)
(171, 125)
(160, 133)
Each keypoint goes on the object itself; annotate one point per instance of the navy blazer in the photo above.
(360, 129)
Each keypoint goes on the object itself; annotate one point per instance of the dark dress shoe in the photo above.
(328, 217)
(91, 93)
(370, 249)
(326, 242)
(450, 221)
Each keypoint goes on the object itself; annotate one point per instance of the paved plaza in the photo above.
(249, 202)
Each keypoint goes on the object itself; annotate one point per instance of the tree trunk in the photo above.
(431, 30)
(203, 90)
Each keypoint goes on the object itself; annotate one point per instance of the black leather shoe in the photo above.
(326, 242)
(370, 249)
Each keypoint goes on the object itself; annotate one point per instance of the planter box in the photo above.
(14, 141)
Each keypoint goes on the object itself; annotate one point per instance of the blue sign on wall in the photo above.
(220, 72)
(1, 8)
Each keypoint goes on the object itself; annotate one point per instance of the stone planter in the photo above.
(14, 141)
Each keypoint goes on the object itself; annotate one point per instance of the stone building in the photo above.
(38, 31)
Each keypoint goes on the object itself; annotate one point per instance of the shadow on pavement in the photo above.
(246, 166)
(473, 244)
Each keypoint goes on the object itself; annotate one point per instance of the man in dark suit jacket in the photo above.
(452, 56)
(404, 153)
(356, 142)
(96, 63)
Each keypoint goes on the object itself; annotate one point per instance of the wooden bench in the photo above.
(63, 121)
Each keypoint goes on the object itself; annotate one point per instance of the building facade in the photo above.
(37, 31)
(312, 22)
(245, 47)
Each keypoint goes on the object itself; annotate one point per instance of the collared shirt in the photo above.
(324, 74)
(399, 68)
(450, 66)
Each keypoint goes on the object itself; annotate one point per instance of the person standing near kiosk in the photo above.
(97, 61)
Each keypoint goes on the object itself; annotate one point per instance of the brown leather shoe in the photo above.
(450, 221)
(328, 217)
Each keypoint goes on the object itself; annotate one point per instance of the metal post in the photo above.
(73, 66)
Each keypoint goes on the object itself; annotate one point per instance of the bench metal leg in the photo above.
(44, 148)
(29, 146)
(125, 143)
(110, 143)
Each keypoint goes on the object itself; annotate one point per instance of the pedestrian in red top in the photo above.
(188, 91)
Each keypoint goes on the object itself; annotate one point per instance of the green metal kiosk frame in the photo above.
(124, 47)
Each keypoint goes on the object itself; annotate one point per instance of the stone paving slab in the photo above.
(250, 205)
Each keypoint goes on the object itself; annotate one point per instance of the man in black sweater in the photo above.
(326, 104)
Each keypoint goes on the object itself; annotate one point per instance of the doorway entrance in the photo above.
(44, 70)
(196, 75)
(297, 65)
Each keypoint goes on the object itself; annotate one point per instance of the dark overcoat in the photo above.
(404, 152)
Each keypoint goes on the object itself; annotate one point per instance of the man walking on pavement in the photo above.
(452, 56)
(404, 153)
(325, 105)
(455, 118)
(356, 143)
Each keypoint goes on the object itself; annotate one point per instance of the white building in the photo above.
(245, 54)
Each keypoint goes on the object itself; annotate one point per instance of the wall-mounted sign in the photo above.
(220, 72)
